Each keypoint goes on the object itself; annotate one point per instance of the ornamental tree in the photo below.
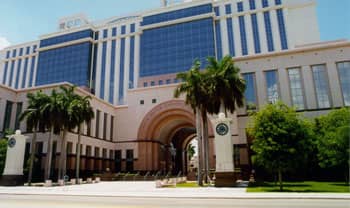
(332, 133)
(280, 139)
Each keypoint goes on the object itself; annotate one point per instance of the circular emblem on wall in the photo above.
(222, 129)
(12, 142)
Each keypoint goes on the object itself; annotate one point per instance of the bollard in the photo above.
(61, 182)
(97, 179)
(73, 181)
(89, 180)
(48, 183)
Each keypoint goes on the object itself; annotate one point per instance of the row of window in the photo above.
(104, 126)
(255, 33)
(21, 51)
(115, 31)
(8, 113)
(160, 82)
(12, 73)
(154, 101)
(177, 14)
(240, 6)
(296, 86)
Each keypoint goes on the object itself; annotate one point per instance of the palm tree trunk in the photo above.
(64, 168)
(49, 156)
(280, 179)
(32, 157)
(199, 138)
(77, 161)
(205, 145)
(62, 156)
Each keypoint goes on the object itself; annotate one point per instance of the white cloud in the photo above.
(4, 43)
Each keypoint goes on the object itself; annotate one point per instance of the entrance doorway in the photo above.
(164, 136)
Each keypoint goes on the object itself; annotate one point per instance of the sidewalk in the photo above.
(148, 189)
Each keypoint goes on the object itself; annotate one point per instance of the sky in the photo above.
(25, 20)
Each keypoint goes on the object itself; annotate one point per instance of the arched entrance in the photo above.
(164, 135)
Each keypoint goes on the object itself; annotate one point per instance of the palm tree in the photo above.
(52, 117)
(81, 111)
(191, 151)
(33, 115)
(225, 86)
(68, 124)
(193, 89)
(225, 92)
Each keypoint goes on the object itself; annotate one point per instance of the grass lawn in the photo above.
(307, 186)
(188, 185)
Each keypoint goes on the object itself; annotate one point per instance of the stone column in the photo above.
(224, 173)
(13, 172)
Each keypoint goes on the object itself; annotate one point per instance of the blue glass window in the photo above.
(321, 86)
(17, 74)
(176, 81)
(132, 28)
(168, 81)
(112, 74)
(282, 29)
(105, 33)
(31, 75)
(240, 6)
(228, 9)
(131, 66)
(250, 92)
(103, 70)
(344, 75)
(145, 84)
(96, 35)
(173, 48)
(177, 14)
(14, 53)
(268, 31)
(28, 50)
(121, 73)
(272, 86)
(11, 73)
(34, 48)
(70, 64)
(66, 38)
(296, 87)
(243, 35)
(256, 33)
(278, 2)
(123, 30)
(153, 83)
(252, 4)
(8, 54)
(218, 40)
(160, 82)
(5, 72)
(94, 65)
(231, 42)
(20, 51)
(24, 72)
(114, 31)
(217, 11)
(265, 3)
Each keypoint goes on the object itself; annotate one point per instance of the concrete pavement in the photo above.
(148, 189)
(44, 201)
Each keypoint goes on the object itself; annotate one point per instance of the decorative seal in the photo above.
(222, 129)
(12, 142)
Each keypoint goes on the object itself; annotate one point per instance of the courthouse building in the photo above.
(129, 65)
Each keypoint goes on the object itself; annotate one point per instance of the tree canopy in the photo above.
(280, 138)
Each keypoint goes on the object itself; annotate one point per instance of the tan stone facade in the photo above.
(145, 133)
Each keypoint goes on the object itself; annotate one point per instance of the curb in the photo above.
(183, 197)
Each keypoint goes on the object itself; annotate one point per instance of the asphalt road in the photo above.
(39, 201)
